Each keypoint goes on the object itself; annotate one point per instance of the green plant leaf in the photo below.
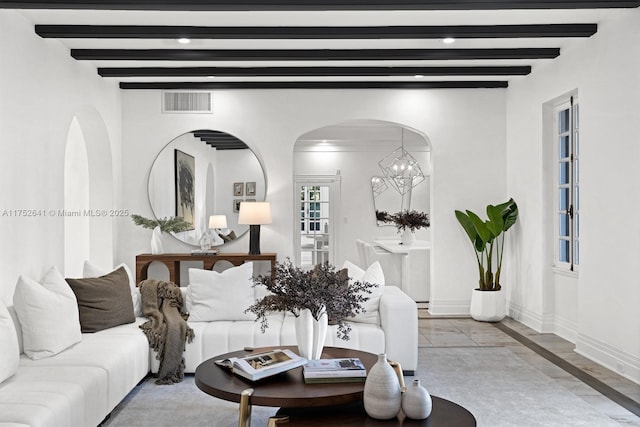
(466, 223)
(495, 223)
(481, 227)
(509, 212)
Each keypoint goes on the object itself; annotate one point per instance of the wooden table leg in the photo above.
(244, 419)
(274, 421)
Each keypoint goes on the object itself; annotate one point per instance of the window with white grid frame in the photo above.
(567, 184)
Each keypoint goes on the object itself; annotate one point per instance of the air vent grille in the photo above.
(186, 102)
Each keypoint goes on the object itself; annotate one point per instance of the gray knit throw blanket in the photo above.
(167, 329)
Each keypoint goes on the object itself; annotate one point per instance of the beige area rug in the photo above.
(497, 386)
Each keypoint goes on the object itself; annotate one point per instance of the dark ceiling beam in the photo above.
(388, 32)
(310, 54)
(279, 5)
(312, 71)
(316, 85)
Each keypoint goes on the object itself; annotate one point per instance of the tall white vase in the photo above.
(311, 334)
(408, 237)
(382, 394)
(156, 241)
(319, 335)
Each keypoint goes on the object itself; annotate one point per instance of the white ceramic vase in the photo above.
(382, 394)
(408, 237)
(488, 306)
(311, 334)
(156, 241)
(416, 401)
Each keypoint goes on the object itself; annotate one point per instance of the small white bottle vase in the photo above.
(382, 395)
(156, 241)
(416, 401)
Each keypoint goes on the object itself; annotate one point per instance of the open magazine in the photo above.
(262, 365)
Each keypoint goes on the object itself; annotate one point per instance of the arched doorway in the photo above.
(351, 151)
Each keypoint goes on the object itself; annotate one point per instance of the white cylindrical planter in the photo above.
(416, 401)
(382, 396)
(488, 306)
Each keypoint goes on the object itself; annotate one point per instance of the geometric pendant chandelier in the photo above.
(401, 169)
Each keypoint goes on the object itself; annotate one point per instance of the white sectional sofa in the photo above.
(81, 385)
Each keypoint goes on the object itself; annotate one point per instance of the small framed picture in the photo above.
(250, 200)
(251, 188)
(238, 188)
(236, 204)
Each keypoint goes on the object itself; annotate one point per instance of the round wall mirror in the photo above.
(204, 174)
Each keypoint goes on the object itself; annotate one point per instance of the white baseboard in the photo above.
(566, 329)
(625, 364)
(619, 361)
(449, 308)
(537, 322)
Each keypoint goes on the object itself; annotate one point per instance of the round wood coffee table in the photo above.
(305, 404)
(286, 390)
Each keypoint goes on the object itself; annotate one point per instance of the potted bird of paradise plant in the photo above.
(487, 238)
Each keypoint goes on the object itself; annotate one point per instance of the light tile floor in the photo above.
(466, 332)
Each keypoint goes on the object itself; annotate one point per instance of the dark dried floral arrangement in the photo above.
(413, 220)
(322, 288)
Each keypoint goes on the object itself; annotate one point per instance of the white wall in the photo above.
(41, 90)
(465, 127)
(603, 305)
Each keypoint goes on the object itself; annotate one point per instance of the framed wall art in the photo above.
(236, 204)
(185, 180)
(238, 189)
(251, 189)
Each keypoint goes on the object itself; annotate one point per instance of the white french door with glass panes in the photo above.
(317, 201)
(567, 181)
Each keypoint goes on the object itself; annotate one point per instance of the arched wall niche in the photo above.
(88, 127)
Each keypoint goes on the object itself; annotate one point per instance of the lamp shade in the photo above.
(218, 221)
(254, 213)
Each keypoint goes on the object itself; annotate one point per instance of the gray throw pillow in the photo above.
(103, 302)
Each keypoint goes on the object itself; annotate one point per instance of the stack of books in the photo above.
(334, 371)
(257, 366)
(204, 252)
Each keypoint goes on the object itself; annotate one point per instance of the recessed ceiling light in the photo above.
(211, 77)
(184, 40)
(448, 40)
(418, 76)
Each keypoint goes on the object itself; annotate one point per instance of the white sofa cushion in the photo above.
(122, 352)
(373, 274)
(215, 296)
(70, 396)
(90, 270)
(10, 354)
(48, 314)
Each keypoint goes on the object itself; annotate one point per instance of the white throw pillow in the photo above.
(90, 270)
(10, 354)
(373, 274)
(220, 296)
(48, 314)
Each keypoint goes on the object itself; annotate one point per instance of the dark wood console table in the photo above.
(172, 261)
